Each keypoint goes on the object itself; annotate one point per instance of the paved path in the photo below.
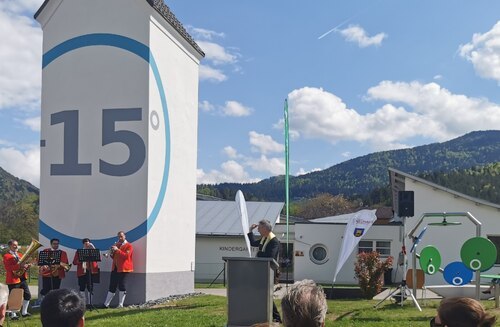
(278, 294)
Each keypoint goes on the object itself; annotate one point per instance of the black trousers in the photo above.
(50, 283)
(117, 280)
(24, 285)
(85, 282)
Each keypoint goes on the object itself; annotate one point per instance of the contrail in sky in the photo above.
(345, 21)
(335, 28)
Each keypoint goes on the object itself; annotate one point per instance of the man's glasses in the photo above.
(433, 323)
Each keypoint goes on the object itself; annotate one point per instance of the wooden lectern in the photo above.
(250, 284)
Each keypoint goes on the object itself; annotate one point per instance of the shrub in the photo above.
(369, 271)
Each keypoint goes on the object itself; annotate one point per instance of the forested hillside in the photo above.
(479, 182)
(13, 189)
(360, 176)
(18, 209)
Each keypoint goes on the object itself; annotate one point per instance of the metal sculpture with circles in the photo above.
(477, 254)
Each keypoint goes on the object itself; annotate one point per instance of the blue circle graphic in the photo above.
(143, 51)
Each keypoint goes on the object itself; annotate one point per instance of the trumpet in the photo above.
(112, 250)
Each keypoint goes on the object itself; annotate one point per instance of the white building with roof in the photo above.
(315, 245)
(432, 198)
(219, 233)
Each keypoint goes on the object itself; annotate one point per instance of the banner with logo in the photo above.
(356, 228)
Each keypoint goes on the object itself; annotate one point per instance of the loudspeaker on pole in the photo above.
(406, 204)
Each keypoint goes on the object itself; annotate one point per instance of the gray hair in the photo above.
(266, 224)
(304, 305)
(4, 293)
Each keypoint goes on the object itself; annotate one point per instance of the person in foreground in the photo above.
(269, 246)
(62, 308)
(304, 305)
(4, 296)
(462, 312)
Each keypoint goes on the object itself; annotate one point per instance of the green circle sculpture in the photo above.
(430, 260)
(478, 253)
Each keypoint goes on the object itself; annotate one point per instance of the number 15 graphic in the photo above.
(134, 142)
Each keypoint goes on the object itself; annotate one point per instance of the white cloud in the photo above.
(231, 171)
(264, 144)
(206, 106)
(356, 34)
(434, 113)
(484, 53)
(346, 154)
(275, 166)
(235, 109)
(33, 123)
(20, 56)
(204, 34)
(217, 54)
(231, 152)
(208, 73)
(23, 164)
(438, 77)
(28, 7)
(302, 171)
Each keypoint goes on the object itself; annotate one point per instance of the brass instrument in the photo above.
(111, 252)
(55, 268)
(31, 251)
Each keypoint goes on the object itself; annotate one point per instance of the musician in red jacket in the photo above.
(121, 252)
(53, 274)
(87, 272)
(11, 264)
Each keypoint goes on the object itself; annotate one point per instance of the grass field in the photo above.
(210, 310)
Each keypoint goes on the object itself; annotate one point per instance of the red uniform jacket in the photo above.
(11, 263)
(79, 270)
(47, 272)
(122, 258)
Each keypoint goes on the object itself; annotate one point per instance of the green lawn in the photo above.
(209, 310)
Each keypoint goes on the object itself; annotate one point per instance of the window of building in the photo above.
(496, 240)
(318, 254)
(382, 247)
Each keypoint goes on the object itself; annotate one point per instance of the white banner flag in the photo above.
(356, 228)
(240, 200)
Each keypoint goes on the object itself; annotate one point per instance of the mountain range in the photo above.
(362, 175)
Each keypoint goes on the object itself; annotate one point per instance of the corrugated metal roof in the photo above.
(223, 217)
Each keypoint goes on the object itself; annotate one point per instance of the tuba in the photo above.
(30, 254)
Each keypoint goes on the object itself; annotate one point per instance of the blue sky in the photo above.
(390, 74)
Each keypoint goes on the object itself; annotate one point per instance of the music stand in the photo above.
(89, 256)
(49, 258)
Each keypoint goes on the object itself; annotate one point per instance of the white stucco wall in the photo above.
(449, 240)
(330, 235)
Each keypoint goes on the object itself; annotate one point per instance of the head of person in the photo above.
(304, 305)
(86, 243)
(54, 243)
(462, 312)
(62, 307)
(13, 245)
(121, 236)
(264, 227)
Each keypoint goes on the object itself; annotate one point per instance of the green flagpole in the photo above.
(287, 174)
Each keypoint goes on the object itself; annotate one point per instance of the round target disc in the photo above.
(456, 273)
(478, 253)
(430, 260)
